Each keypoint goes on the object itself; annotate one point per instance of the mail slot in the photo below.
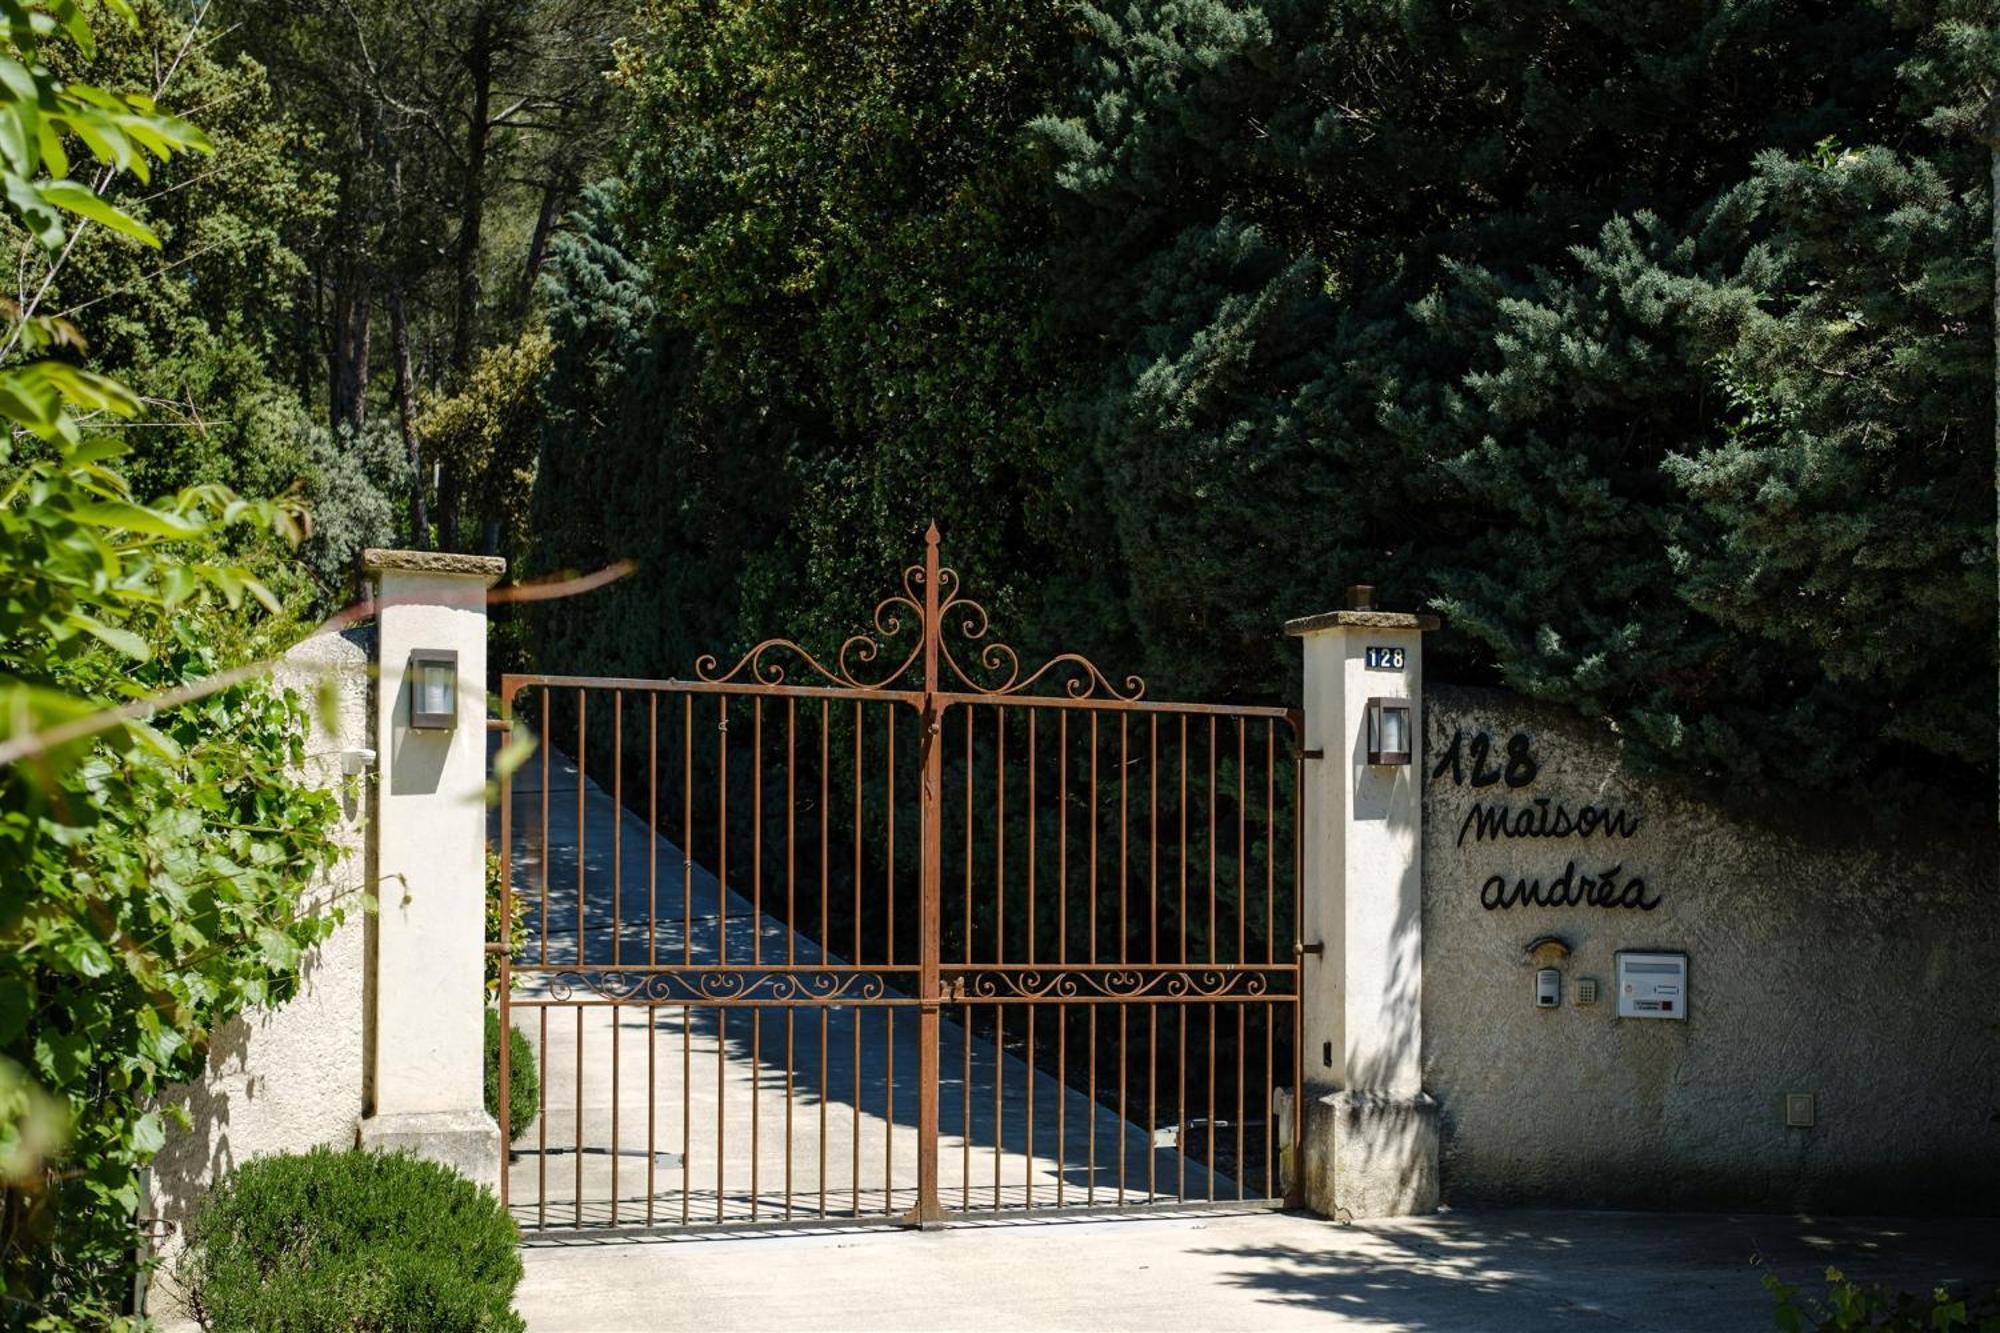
(1653, 985)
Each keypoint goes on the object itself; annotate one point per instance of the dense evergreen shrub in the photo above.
(351, 1242)
(1650, 343)
(524, 1084)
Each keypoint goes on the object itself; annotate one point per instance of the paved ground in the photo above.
(1469, 1271)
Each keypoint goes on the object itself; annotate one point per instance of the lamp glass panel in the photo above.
(435, 688)
(1395, 729)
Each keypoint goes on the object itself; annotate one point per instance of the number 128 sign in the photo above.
(1384, 659)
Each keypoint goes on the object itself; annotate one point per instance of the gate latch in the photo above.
(1317, 949)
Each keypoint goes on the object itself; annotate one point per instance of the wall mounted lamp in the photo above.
(433, 677)
(1389, 731)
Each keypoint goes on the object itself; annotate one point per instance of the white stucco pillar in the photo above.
(1369, 1130)
(425, 1054)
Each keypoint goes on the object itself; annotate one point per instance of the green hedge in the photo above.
(524, 1084)
(351, 1242)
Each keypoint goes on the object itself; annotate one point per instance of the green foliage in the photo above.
(351, 1242)
(805, 324)
(356, 483)
(201, 327)
(1848, 1305)
(487, 432)
(1654, 349)
(155, 844)
(1591, 341)
(524, 1082)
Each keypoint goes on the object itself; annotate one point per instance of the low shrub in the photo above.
(1848, 1305)
(524, 1084)
(351, 1242)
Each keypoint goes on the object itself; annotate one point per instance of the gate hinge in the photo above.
(1317, 949)
(1312, 754)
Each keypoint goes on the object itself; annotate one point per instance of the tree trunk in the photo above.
(553, 194)
(399, 329)
(347, 358)
(472, 196)
(448, 506)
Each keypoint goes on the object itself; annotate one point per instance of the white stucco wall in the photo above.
(1826, 956)
(288, 1079)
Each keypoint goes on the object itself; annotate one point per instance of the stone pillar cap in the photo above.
(1361, 620)
(488, 567)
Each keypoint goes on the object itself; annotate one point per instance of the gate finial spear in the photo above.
(931, 536)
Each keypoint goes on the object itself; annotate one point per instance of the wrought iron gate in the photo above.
(1091, 954)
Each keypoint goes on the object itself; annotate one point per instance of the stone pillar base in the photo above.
(466, 1141)
(1370, 1154)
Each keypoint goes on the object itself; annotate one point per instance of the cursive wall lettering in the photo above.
(1568, 889)
(1472, 762)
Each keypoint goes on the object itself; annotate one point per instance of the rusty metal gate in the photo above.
(920, 935)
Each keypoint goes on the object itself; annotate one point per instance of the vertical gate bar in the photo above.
(1090, 1129)
(1062, 859)
(965, 1098)
(576, 1196)
(652, 833)
(1152, 1101)
(687, 1103)
(1242, 848)
(687, 851)
(546, 746)
(1180, 1108)
(1184, 841)
(504, 956)
(582, 780)
(889, 1111)
(1032, 923)
(889, 853)
(756, 853)
(970, 717)
(1241, 1112)
(822, 1107)
(999, 1106)
(1270, 838)
(1030, 1110)
(1124, 1060)
(1270, 1109)
(542, 1126)
(1062, 1098)
(790, 1015)
(1211, 1103)
(825, 865)
(999, 843)
(652, 1108)
(855, 955)
(721, 1121)
(854, 1138)
(756, 1015)
(1153, 845)
(616, 1023)
(721, 842)
(1093, 839)
(1214, 944)
(929, 1210)
(1124, 837)
(617, 832)
(791, 832)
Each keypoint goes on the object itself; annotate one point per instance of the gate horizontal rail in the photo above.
(1101, 1010)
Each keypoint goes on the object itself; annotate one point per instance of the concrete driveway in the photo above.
(1473, 1271)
